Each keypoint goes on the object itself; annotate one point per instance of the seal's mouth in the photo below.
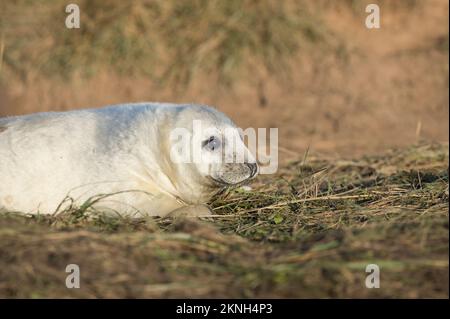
(221, 183)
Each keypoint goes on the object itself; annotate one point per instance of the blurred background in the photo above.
(310, 68)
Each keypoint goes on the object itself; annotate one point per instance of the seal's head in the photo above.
(210, 148)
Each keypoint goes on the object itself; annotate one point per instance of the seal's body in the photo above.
(117, 158)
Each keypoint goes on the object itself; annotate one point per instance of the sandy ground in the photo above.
(387, 87)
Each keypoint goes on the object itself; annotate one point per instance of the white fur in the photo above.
(47, 157)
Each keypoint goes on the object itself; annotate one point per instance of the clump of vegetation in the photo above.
(309, 231)
(167, 40)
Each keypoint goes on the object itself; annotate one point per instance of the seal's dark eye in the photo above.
(212, 143)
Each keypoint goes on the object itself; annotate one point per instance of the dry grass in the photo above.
(308, 232)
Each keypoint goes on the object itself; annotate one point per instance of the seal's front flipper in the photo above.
(191, 211)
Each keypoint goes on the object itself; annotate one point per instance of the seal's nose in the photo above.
(253, 168)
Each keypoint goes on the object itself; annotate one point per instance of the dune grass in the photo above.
(166, 40)
(309, 231)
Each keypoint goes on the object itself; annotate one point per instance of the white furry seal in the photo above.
(116, 157)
